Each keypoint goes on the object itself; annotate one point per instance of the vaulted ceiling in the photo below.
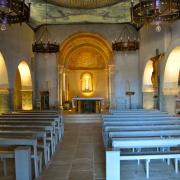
(79, 11)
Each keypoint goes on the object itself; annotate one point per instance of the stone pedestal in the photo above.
(26, 99)
(148, 100)
(4, 100)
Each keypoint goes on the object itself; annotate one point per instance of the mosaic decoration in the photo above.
(117, 13)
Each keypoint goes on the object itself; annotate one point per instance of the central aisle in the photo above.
(80, 156)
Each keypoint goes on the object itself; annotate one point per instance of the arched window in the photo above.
(86, 82)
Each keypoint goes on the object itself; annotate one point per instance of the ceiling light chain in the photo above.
(13, 11)
(127, 41)
(155, 11)
(43, 44)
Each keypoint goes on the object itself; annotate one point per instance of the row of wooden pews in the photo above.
(39, 131)
(139, 135)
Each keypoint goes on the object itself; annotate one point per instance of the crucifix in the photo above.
(155, 78)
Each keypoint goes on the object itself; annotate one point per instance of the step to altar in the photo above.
(82, 118)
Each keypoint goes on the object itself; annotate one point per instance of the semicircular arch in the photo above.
(4, 82)
(82, 39)
(171, 72)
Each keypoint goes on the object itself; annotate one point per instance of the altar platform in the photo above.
(87, 104)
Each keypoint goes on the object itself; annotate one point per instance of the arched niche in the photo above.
(23, 88)
(147, 82)
(86, 83)
(147, 86)
(4, 86)
(171, 89)
(84, 52)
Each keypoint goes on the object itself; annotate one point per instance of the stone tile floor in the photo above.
(81, 156)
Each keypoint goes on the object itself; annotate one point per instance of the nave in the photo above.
(81, 156)
(81, 152)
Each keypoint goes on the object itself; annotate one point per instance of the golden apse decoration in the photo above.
(84, 64)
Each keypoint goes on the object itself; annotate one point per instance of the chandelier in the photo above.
(43, 44)
(127, 41)
(13, 11)
(155, 11)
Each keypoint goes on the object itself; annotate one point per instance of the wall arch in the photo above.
(23, 87)
(4, 86)
(147, 86)
(171, 72)
(170, 75)
(147, 83)
(88, 39)
(84, 52)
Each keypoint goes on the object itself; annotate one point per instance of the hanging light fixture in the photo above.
(13, 11)
(127, 41)
(43, 44)
(155, 12)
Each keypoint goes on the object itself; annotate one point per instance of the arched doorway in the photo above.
(147, 88)
(23, 88)
(171, 89)
(85, 53)
(4, 86)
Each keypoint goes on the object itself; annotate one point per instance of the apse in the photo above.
(23, 88)
(84, 60)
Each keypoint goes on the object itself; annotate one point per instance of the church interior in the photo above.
(89, 89)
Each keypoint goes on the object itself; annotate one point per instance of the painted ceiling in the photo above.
(66, 12)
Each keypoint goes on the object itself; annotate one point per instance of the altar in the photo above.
(87, 104)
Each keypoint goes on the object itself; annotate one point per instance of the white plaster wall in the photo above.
(165, 41)
(129, 68)
(126, 78)
(15, 46)
(46, 76)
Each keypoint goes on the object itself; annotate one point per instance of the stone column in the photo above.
(11, 99)
(111, 85)
(66, 84)
(4, 100)
(61, 69)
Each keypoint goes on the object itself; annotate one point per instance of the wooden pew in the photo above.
(57, 118)
(140, 122)
(57, 128)
(47, 129)
(114, 156)
(26, 141)
(107, 129)
(137, 115)
(40, 135)
(132, 134)
(138, 118)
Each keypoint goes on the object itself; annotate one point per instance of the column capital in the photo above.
(61, 69)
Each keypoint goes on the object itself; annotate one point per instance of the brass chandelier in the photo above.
(13, 11)
(154, 11)
(127, 41)
(43, 44)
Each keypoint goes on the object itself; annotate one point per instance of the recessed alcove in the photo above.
(23, 88)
